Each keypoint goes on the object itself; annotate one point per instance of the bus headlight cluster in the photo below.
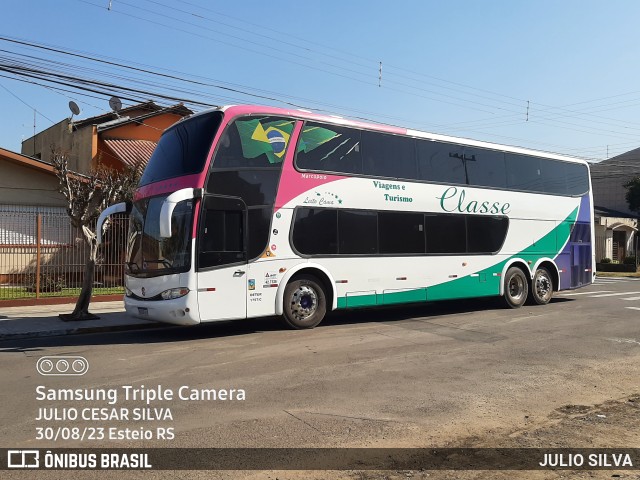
(128, 292)
(174, 293)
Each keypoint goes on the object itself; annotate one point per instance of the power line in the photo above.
(119, 64)
(521, 102)
(25, 103)
(148, 71)
(143, 70)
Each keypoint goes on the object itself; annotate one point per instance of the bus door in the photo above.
(222, 258)
(580, 254)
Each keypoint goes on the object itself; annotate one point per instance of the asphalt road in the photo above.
(442, 374)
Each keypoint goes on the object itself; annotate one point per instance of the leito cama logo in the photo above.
(65, 365)
(23, 459)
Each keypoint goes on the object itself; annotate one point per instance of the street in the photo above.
(449, 374)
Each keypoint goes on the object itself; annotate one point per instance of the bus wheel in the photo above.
(542, 286)
(516, 287)
(305, 303)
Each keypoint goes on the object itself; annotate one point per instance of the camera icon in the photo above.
(67, 365)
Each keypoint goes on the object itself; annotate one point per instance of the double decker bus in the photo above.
(248, 211)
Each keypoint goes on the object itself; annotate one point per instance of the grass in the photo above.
(13, 293)
(618, 274)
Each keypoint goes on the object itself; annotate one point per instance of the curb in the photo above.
(79, 331)
(32, 302)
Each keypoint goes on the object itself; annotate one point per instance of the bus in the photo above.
(250, 211)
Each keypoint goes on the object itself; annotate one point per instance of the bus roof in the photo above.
(239, 110)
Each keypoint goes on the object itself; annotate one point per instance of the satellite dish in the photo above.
(75, 109)
(116, 104)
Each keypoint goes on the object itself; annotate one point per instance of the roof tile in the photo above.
(131, 152)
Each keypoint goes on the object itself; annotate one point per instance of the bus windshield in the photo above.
(147, 253)
(182, 149)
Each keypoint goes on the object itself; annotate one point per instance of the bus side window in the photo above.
(401, 232)
(329, 148)
(254, 142)
(357, 232)
(440, 162)
(388, 155)
(523, 173)
(577, 179)
(221, 238)
(446, 233)
(315, 231)
(486, 234)
(554, 176)
(485, 168)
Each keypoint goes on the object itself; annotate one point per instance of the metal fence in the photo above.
(42, 255)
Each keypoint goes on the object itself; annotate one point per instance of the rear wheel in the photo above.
(516, 287)
(541, 287)
(305, 303)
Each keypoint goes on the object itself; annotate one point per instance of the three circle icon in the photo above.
(62, 365)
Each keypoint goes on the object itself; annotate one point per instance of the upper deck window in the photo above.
(336, 149)
(182, 149)
(329, 148)
(254, 142)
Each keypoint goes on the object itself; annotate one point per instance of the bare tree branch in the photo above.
(87, 196)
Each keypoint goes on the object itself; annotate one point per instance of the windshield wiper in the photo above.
(163, 261)
(133, 267)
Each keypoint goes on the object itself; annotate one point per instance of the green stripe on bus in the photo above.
(386, 298)
(352, 301)
(548, 246)
(406, 296)
(482, 284)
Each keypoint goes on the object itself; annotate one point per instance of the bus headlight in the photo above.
(174, 293)
(128, 292)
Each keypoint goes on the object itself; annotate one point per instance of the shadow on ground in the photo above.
(421, 313)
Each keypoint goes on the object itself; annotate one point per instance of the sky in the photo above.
(558, 76)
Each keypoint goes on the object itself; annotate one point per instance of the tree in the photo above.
(633, 194)
(87, 196)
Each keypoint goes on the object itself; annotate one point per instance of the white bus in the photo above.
(248, 211)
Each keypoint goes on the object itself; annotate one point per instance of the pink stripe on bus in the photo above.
(239, 110)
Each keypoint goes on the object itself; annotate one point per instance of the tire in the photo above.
(541, 287)
(305, 303)
(516, 287)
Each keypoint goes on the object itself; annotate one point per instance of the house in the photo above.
(616, 234)
(28, 191)
(28, 181)
(127, 137)
(37, 240)
(616, 225)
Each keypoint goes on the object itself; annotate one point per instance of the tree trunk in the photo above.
(81, 311)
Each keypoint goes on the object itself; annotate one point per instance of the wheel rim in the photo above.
(304, 302)
(516, 288)
(543, 286)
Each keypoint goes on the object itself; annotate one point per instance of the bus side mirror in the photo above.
(124, 207)
(170, 204)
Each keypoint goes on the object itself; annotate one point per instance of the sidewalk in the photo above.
(43, 321)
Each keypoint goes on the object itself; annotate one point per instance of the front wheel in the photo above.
(541, 286)
(516, 287)
(305, 303)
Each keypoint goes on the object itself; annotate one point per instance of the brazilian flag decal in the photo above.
(313, 137)
(268, 138)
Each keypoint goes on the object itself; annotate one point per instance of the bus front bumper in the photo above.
(179, 311)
